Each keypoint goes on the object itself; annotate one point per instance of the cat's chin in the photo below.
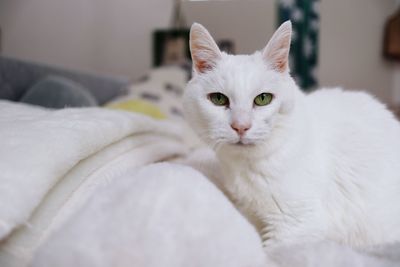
(241, 145)
(239, 149)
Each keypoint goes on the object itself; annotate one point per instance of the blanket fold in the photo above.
(39, 147)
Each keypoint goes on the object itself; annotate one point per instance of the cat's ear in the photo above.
(204, 50)
(276, 53)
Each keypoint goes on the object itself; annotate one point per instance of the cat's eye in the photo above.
(219, 99)
(263, 99)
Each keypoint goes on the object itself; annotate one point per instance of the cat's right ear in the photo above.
(205, 52)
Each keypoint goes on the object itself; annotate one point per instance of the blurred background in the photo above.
(337, 42)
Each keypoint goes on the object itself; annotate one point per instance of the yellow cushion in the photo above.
(138, 106)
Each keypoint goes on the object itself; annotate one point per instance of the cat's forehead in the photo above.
(240, 63)
(248, 69)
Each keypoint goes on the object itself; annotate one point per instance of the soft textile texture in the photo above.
(20, 75)
(39, 147)
(139, 106)
(146, 219)
(330, 254)
(58, 92)
(162, 90)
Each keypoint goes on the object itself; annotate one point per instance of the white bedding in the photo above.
(146, 219)
(78, 188)
(55, 160)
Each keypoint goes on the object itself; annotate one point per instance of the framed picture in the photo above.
(391, 45)
(171, 47)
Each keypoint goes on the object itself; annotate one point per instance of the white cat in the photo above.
(300, 167)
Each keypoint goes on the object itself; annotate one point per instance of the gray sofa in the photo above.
(18, 76)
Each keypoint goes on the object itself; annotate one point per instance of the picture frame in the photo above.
(171, 47)
(391, 43)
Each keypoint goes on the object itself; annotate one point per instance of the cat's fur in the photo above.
(319, 166)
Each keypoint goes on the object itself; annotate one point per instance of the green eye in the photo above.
(219, 99)
(263, 99)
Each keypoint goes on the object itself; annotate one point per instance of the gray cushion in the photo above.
(20, 75)
(58, 92)
(6, 91)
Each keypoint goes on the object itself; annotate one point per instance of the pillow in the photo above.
(169, 75)
(58, 92)
(15, 78)
(159, 94)
(139, 106)
(6, 91)
(164, 97)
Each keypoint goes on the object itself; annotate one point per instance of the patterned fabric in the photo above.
(304, 15)
(159, 95)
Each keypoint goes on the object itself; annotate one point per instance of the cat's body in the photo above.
(326, 177)
(302, 167)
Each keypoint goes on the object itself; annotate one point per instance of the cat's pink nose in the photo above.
(240, 128)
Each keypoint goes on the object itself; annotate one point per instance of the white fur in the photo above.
(319, 166)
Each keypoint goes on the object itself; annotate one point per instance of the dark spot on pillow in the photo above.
(144, 78)
(173, 89)
(176, 111)
(150, 97)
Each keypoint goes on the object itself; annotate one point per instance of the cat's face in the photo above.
(236, 101)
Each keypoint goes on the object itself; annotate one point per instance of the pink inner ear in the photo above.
(202, 60)
(276, 52)
(204, 57)
(205, 52)
(279, 57)
(282, 66)
(281, 62)
(202, 66)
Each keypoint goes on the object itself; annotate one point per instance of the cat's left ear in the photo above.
(204, 50)
(276, 53)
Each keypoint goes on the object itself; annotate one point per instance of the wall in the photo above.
(115, 36)
(249, 23)
(351, 46)
(98, 35)
(48, 30)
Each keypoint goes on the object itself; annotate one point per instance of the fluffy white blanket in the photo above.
(146, 219)
(52, 161)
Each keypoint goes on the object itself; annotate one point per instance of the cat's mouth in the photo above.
(243, 143)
